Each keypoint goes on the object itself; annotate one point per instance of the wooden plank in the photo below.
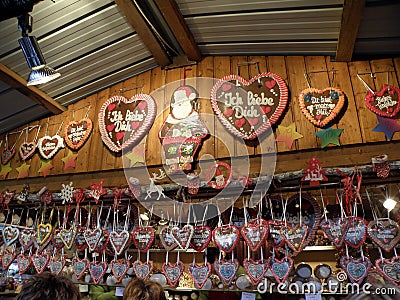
(348, 119)
(351, 18)
(32, 92)
(180, 29)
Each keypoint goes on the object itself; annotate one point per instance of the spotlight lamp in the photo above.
(389, 204)
(40, 71)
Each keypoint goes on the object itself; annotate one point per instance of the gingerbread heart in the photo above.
(124, 122)
(173, 272)
(389, 269)
(49, 145)
(79, 266)
(255, 269)
(103, 242)
(68, 236)
(76, 133)
(7, 155)
(385, 233)
(57, 265)
(26, 238)
(142, 270)
(10, 235)
(335, 230)
(44, 232)
(7, 258)
(226, 270)
(295, 236)
(143, 237)
(97, 271)
(385, 103)
(23, 261)
(250, 109)
(118, 240)
(356, 232)
(56, 239)
(201, 238)
(255, 233)
(280, 268)
(182, 236)
(166, 238)
(26, 150)
(199, 273)
(275, 238)
(119, 268)
(40, 261)
(80, 241)
(92, 237)
(226, 237)
(321, 106)
(356, 269)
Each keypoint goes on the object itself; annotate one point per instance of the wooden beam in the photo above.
(351, 18)
(32, 92)
(180, 29)
(136, 20)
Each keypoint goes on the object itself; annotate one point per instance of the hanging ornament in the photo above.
(23, 170)
(69, 160)
(26, 238)
(335, 230)
(92, 237)
(96, 191)
(23, 261)
(226, 270)
(67, 193)
(8, 258)
(218, 179)
(118, 240)
(255, 233)
(167, 239)
(389, 269)
(314, 172)
(356, 232)
(182, 236)
(79, 266)
(10, 235)
(275, 238)
(49, 145)
(329, 136)
(384, 233)
(201, 237)
(76, 133)
(199, 273)
(142, 270)
(40, 261)
(295, 236)
(27, 149)
(8, 153)
(103, 241)
(173, 272)
(143, 237)
(80, 241)
(387, 126)
(119, 268)
(56, 239)
(281, 268)
(380, 165)
(23, 195)
(5, 169)
(287, 134)
(56, 265)
(46, 196)
(226, 237)
(68, 236)
(97, 271)
(356, 269)
(44, 232)
(255, 269)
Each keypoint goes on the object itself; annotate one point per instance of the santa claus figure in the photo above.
(182, 131)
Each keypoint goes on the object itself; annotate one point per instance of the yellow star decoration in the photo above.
(136, 155)
(45, 167)
(69, 160)
(23, 170)
(288, 134)
(5, 169)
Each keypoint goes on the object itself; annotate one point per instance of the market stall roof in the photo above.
(95, 44)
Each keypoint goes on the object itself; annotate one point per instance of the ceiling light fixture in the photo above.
(389, 204)
(40, 72)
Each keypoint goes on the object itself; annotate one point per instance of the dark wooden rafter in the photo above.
(180, 29)
(17, 82)
(136, 20)
(351, 19)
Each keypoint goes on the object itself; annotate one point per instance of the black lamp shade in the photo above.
(32, 52)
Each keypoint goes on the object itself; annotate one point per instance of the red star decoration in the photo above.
(69, 160)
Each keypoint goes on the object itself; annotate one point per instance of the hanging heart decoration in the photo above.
(10, 235)
(226, 270)
(103, 242)
(26, 150)
(199, 273)
(356, 232)
(321, 106)
(275, 238)
(255, 269)
(173, 272)
(385, 103)
(7, 155)
(124, 122)
(119, 268)
(143, 237)
(23, 261)
(57, 265)
(80, 266)
(40, 261)
(385, 233)
(92, 237)
(335, 230)
(56, 239)
(389, 269)
(167, 239)
(295, 236)
(49, 145)
(76, 133)
(80, 241)
(249, 109)
(201, 238)
(68, 236)
(255, 233)
(356, 269)
(118, 240)
(226, 237)
(97, 271)
(182, 236)
(44, 232)
(142, 270)
(26, 238)
(7, 258)
(281, 268)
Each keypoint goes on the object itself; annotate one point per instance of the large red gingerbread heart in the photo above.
(123, 122)
(249, 108)
(321, 106)
(76, 133)
(385, 103)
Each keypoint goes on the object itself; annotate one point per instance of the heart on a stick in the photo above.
(123, 122)
(142, 270)
(118, 240)
(281, 268)
(76, 133)
(226, 270)
(167, 239)
(97, 271)
(255, 233)
(201, 238)
(356, 269)
(143, 237)
(226, 237)
(255, 269)
(182, 236)
(119, 268)
(173, 272)
(385, 103)
(27, 149)
(385, 233)
(321, 106)
(248, 108)
(199, 273)
(335, 230)
(49, 145)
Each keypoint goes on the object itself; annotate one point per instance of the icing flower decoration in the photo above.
(307, 97)
(335, 95)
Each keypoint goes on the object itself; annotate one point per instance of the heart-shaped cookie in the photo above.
(23, 261)
(26, 150)
(97, 271)
(92, 237)
(123, 122)
(356, 232)
(118, 240)
(385, 103)
(249, 109)
(182, 236)
(295, 236)
(255, 233)
(26, 238)
(389, 269)
(68, 236)
(56, 265)
(356, 269)
(119, 267)
(275, 238)
(76, 133)
(321, 106)
(173, 272)
(79, 266)
(226, 237)
(226, 270)
(143, 237)
(10, 235)
(166, 238)
(255, 269)
(44, 232)
(80, 241)
(385, 233)
(201, 238)
(7, 258)
(335, 230)
(280, 268)
(199, 273)
(142, 270)
(49, 145)
(7, 155)
(40, 261)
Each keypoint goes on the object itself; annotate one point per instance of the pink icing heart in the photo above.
(142, 105)
(228, 112)
(226, 87)
(110, 127)
(111, 107)
(239, 123)
(135, 125)
(119, 135)
(270, 84)
(253, 121)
